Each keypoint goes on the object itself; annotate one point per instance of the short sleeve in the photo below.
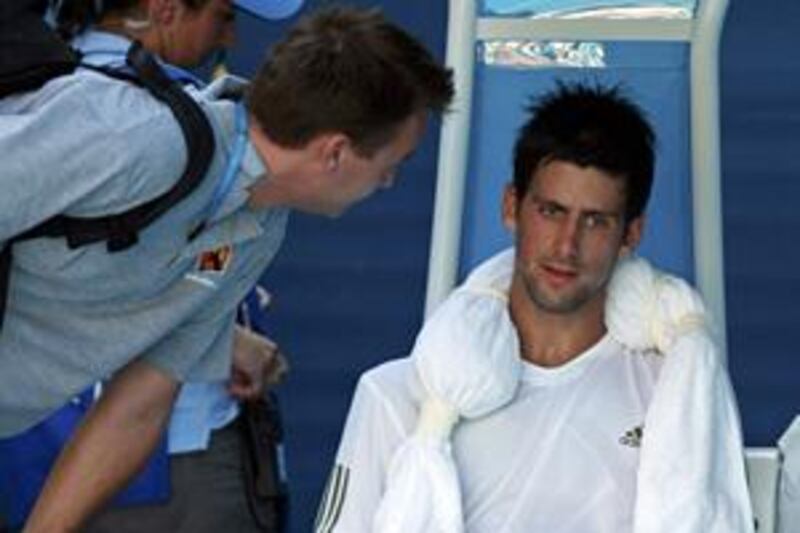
(199, 350)
(372, 432)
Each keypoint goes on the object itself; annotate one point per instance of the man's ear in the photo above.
(509, 207)
(332, 150)
(633, 235)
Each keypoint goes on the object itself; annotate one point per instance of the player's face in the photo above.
(570, 231)
(199, 32)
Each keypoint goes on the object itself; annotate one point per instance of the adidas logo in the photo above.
(632, 437)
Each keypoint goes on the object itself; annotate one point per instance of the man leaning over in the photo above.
(203, 436)
(336, 107)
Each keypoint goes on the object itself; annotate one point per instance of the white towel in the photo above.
(691, 472)
(691, 475)
(467, 359)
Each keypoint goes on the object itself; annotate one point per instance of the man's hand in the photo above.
(257, 364)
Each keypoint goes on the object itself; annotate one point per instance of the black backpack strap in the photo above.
(116, 73)
(120, 231)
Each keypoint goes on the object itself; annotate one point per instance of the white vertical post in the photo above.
(453, 152)
(706, 182)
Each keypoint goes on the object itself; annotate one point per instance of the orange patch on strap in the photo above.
(215, 260)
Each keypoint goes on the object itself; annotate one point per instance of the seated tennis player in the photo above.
(567, 386)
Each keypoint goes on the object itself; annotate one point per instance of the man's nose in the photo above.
(388, 180)
(568, 238)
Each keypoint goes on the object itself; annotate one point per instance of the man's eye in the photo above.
(548, 211)
(595, 220)
(227, 14)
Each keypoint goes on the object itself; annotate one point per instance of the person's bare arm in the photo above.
(107, 450)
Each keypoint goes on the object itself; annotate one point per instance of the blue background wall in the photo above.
(761, 188)
(349, 293)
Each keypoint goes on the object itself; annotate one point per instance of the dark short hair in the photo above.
(589, 126)
(346, 70)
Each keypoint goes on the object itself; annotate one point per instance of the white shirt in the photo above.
(562, 457)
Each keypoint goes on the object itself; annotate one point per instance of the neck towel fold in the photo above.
(691, 472)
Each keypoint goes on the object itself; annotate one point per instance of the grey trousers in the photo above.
(208, 495)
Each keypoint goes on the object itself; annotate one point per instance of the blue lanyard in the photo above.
(224, 185)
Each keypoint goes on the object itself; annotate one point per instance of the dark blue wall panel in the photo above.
(761, 187)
